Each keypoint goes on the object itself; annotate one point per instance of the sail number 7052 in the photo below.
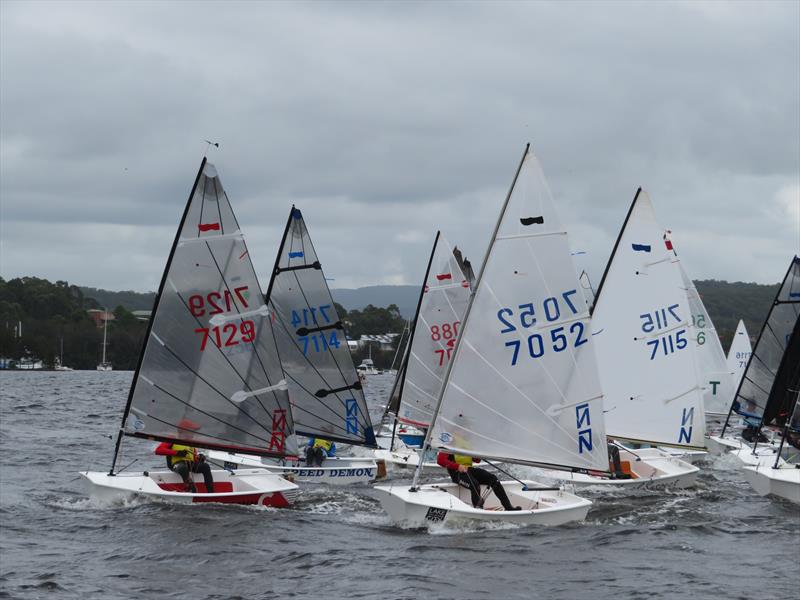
(552, 309)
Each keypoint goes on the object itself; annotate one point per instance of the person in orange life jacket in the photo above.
(464, 474)
(185, 460)
(318, 450)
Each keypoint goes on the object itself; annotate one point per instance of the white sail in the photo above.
(715, 377)
(327, 400)
(209, 375)
(445, 296)
(588, 290)
(641, 325)
(739, 353)
(523, 386)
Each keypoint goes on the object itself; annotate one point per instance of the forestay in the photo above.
(209, 374)
(445, 295)
(739, 353)
(523, 386)
(715, 377)
(641, 324)
(327, 400)
(773, 341)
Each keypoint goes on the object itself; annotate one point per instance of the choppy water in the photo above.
(720, 540)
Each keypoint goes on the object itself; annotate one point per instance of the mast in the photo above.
(426, 443)
(614, 251)
(156, 300)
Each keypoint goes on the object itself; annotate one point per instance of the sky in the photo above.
(386, 121)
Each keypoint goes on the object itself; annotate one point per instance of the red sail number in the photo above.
(217, 303)
(227, 335)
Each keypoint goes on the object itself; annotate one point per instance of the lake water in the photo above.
(719, 540)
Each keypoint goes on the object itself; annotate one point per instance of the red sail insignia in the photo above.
(444, 276)
(208, 227)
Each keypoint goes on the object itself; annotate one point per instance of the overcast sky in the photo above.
(386, 121)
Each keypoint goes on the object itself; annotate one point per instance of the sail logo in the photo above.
(714, 385)
(686, 419)
(277, 439)
(583, 419)
(351, 415)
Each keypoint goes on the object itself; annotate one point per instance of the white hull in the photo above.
(783, 482)
(762, 456)
(334, 471)
(252, 486)
(450, 503)
(105, 367)
(404, 462)
(653, 468)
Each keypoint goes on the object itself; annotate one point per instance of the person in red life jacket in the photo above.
(464, 474)
(185, 460)
(318, 450)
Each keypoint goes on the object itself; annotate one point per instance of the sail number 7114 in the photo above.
(554, 308)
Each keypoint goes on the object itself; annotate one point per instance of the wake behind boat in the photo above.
(208, 374)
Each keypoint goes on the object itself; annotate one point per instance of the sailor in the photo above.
(318, 450)
(464, 474)
(185, 460)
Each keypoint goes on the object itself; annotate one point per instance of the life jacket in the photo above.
(462, 460)
(324, 444)
(173, 460)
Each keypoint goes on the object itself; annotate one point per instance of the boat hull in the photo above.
(652, 468)
(783, 482)
(251, 486)
(404, 462)
(334, 471)
(437, 504)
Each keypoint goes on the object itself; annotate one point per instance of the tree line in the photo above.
(52, 312)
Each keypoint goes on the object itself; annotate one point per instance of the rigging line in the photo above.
(333, 305)
(333, 355)
(252, 344)
(279, 319)
(509, 419)
(524, 450)
(199, 377)
(216, 437)
(219, 210)
(202, 202)
(196, 409)
(320, 417)
(522, 339)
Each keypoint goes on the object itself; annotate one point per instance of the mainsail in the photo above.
(444, 297)
(739, 353)
(771, 347)
(209, 373)
(715, 377)
(326, 395)
(641, 324)
(523, 384)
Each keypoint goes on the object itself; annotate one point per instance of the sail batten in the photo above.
(209, 362)
(324, 387)
(523, 384)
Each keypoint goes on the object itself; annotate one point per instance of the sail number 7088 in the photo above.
(552, 309)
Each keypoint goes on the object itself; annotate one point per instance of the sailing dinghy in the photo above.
(522, 384)
(208, 375)
(754, 390)
(325, 391)
(442, 302)
(641, 328)
(739, 352)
